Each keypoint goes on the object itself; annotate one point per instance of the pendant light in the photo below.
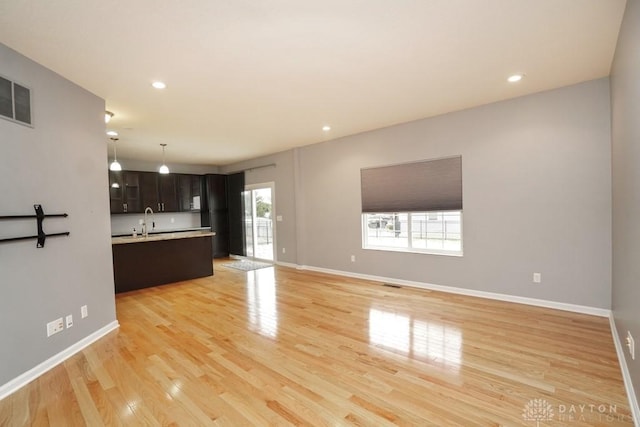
(108, 115)
(164, 169)
(115, 166)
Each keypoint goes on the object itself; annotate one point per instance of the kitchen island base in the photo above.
(147, 263)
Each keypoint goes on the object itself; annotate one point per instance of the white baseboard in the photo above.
(52, 362)
(594, 311)
(626, 376)
(286, 264)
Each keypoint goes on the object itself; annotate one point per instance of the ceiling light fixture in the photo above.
(164, 169)
(515, 78)
(115, 166)
(112, 133)
(159, 85)
(108, 115)
(326, 128)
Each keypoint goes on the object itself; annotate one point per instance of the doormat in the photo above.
(246, 265)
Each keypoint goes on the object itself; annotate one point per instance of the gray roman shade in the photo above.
(430, 185)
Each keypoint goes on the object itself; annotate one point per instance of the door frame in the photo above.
(271, 185)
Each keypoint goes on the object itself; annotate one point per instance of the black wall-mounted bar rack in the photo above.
(39, 217)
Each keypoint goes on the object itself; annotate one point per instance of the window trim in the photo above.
(410, 248)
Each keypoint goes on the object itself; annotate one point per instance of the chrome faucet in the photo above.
(145, 231)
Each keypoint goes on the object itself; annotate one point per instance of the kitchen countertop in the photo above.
(161, 236)
(161, 231)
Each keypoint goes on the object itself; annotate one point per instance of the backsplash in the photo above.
(166, 221)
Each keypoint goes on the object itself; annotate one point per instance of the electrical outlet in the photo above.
(631, 345)
(353, 258)
(141, 221)
(173, 220)
(55, 326)
(279, 218)
(69, 321)
(284, 251)
(83, 311)
(537, 278)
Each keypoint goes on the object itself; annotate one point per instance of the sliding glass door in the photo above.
(258, 221)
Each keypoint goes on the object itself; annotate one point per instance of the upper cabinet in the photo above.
(116, 192)
(190, 192)
(168, 193)
(149, 190)
(133, 191)
(217, 188)
(124, 192)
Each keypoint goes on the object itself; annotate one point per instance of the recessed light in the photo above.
(326, 128)
(112, 133)
(515, 78)
(159, 85)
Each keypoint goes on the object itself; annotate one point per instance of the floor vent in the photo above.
(389, 285)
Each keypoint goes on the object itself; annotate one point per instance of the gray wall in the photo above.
(537, 197)
(625, 106)
(536, 188)
(60, 164)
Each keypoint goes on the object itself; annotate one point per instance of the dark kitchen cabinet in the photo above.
(124, 192)
(215, 213)
(116, 192)
(149, 190)
(159, 192)
(133, 191)
(220, 225)
(237, 224)
(174, 260)
(168, 192)
(190, 193)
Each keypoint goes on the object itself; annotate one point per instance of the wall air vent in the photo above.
(15, 102)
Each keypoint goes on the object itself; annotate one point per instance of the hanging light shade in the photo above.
(164, 169)
(108, 115)
(115, 165)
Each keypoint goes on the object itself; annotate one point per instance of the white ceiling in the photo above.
(252, 77)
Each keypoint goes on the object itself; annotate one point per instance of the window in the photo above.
(422, 232)
(413, 207)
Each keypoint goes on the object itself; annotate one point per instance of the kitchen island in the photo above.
(158, 259)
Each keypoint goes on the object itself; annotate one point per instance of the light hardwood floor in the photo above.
(278, 346)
